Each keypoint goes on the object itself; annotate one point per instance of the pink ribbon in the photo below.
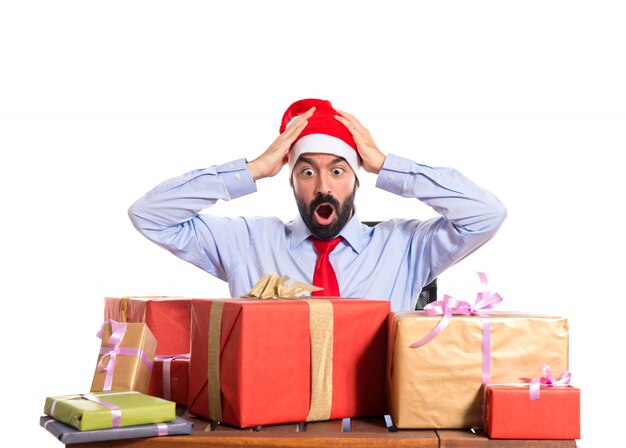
(111, 349)
(116, 412)
(162, 429)
(546, 380)
(167, 371)
(449, 306)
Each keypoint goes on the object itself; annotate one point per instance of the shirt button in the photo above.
(237, 176)
(390, 177)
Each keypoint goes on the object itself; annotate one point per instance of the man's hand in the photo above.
(275, 157)
(371, 157)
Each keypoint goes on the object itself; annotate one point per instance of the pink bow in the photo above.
(546, 380)
(485, 300)
(111, 349)
(449, 306)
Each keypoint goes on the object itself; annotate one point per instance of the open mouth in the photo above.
(324, 214)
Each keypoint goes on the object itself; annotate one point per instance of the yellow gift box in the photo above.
(438, 384)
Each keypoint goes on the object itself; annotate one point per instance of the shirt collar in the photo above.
(352, 232)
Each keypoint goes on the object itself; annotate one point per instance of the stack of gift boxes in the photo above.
(246, 362)
(119, 405)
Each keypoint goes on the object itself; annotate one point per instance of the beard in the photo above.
(343, 213)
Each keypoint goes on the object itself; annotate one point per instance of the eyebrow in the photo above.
(304, 159)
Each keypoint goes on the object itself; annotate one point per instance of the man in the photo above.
(324, 150)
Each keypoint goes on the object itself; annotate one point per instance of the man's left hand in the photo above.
(371, 157)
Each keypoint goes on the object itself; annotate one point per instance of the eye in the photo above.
(337, 171)
(307, 172)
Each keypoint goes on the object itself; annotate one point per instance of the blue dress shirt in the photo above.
(391, 261)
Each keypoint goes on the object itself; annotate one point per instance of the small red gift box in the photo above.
(263, 362)
(511, 414)
(169, 319)
(170, 378)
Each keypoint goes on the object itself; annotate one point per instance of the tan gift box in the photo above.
(125, 358)
(438, 385)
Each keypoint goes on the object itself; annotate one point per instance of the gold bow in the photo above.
(274, 287)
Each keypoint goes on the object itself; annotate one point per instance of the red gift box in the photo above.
(263, 362)
(169, 319)
(511, 414)
(170, 378)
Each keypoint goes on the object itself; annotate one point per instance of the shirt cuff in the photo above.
(236, 178)
(393, 174)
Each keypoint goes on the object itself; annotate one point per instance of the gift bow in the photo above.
(111, 348)
(449, 306)
(546, 380)
(485, 300)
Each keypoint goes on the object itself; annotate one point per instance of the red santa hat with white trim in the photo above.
(322, 134)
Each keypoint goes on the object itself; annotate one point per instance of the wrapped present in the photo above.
(168, 318)
(99, 410)
(68, 435)
(541, 408)
(439, 359)
(125, 358)
(262, 362)
(170, 378)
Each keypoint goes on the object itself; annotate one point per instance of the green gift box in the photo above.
(100, 410)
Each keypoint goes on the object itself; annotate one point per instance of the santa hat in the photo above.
(323, 133)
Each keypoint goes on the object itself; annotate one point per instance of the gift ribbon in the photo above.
(167, 371)
(546, 380)
(213, 374)
(162, 429)
(116, 412)
(450, 306)
(111, 349)
(124, 309)
(321, 333)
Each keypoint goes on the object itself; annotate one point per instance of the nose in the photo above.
(324, 183)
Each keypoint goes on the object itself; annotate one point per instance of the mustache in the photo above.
(321, 199)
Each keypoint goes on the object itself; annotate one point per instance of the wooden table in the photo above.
(353, 433)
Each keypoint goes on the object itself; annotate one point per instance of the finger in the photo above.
(357, 128)
(351, 126)
(294, 129)
(305, 116)
(298, 124)
(309, 112)
(348, 116)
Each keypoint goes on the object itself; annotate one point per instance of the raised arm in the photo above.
(470, 215)
(169, 214)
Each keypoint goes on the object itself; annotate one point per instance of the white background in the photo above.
(100, 101)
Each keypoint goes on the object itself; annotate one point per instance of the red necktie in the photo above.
(324, 275)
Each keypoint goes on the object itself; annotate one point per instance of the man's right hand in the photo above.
(275, 157)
